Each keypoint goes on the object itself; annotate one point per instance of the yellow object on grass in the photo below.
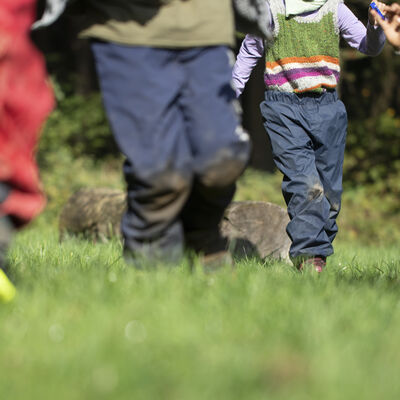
(7, 289)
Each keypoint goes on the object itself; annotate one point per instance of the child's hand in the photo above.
(373, 16)
(391, 25)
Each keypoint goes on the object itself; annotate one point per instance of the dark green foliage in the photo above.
(78, 127)
(370, 89)
(373, 151)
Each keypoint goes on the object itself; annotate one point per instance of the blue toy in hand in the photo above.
(375, 7)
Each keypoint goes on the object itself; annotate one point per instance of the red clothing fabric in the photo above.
(25, 101)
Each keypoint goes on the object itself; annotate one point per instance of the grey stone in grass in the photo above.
(94, 213)
(254, 228)
(257, 228)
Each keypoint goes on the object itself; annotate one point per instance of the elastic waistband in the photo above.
(330, 96)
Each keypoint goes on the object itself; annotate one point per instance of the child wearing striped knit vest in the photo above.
(305, 120)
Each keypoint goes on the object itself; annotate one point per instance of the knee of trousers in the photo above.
(334, 199)
(155, 201)
(302, 192)
(169, 183)
(223, 168)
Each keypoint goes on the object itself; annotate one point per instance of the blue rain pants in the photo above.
(174, 116)
(308, 135)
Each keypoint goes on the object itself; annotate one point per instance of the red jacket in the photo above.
(25, 101)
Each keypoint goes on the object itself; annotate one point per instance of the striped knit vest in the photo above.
(304, 56)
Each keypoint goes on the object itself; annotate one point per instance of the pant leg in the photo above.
(289, 122)
(6, 227)
(212, 113)
(218, 143)
(330, 141)
(141, 89)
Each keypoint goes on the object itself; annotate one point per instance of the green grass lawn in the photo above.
(85, 326)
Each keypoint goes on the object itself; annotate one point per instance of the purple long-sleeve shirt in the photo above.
(369, 41)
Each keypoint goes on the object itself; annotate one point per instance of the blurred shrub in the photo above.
(65, 175)
(373, 153)
(76, 150)
(77, 127)
(369, 217)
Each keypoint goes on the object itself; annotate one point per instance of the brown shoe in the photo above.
(206, 241)
(211, 247)
(317, 263)
(216, 261)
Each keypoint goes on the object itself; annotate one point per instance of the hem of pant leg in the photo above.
(148, 258)
(309, 254)
(6, 233)
(298, 259)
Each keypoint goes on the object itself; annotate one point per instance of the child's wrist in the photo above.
(372, 25)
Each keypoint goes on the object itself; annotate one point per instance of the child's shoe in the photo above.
(212, 248)
(216, 261)
(318, 263)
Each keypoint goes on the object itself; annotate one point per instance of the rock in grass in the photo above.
(254, 228)
(257, 228)
(94, 213)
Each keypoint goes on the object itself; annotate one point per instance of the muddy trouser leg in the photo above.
(141, 90)
(329, 156)
(307, 137)
(7, 289)
(6, 228)
(202, 215)
(219, 146)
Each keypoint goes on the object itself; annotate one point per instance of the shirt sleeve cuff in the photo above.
(373, 28)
